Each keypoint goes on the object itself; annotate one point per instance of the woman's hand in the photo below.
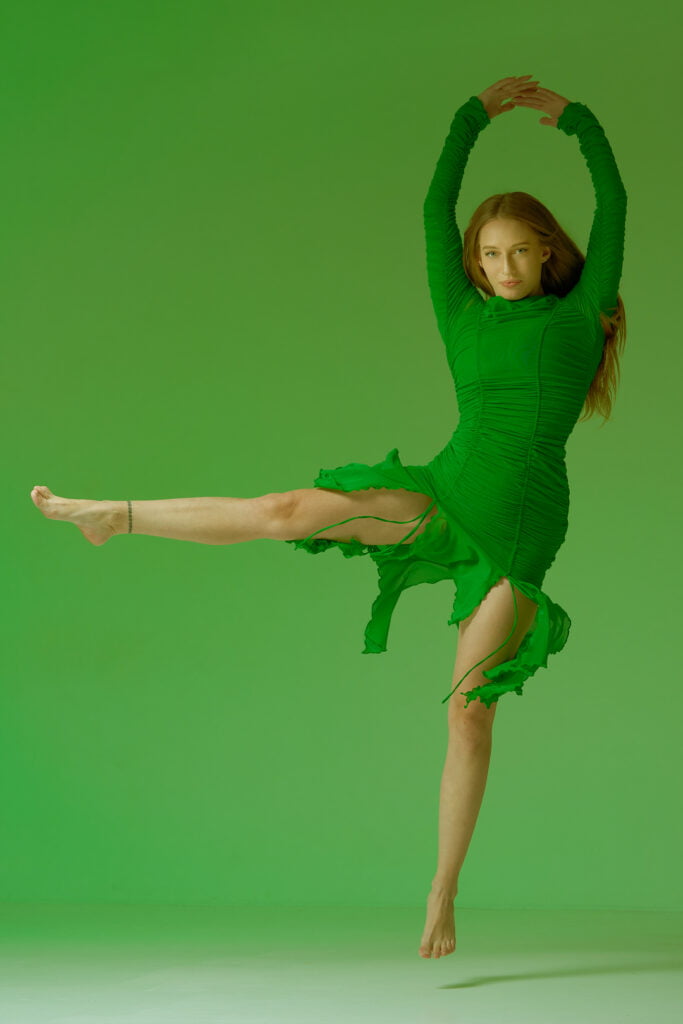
(544, 99)
(505, 89)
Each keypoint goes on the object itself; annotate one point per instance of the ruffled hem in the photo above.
(444, 550)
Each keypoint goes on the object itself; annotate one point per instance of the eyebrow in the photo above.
(525, 242)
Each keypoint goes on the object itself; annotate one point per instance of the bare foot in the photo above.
(97, 520)
(438, 938)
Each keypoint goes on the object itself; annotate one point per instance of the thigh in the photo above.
(481, 632)
(320, 508)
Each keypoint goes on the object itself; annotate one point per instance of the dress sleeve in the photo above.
(601, 273)
(449, 285)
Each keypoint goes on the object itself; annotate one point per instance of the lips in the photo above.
(510, 284)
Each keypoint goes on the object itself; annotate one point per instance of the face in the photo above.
(509, 250)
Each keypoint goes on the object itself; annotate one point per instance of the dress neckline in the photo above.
(499, 304)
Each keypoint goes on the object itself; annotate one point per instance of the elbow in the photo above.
(434, 197)
(620, 191)
(432, 205)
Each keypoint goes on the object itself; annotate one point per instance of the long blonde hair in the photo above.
(560, 272)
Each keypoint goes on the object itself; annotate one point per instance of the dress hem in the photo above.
(444, 550)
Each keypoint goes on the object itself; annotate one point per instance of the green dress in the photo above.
(521, 369)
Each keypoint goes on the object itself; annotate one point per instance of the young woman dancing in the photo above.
(491, 508)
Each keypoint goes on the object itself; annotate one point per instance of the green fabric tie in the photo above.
(421, 517)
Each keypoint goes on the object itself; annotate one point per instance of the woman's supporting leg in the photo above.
(468, 752)
(463, 781)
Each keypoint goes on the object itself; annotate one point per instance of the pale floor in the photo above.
(88, 964)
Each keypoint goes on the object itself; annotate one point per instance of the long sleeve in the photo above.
(449, 285)
(601, 273)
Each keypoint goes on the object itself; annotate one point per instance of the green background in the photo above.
(214, 283)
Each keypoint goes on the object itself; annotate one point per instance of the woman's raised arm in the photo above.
(448, 283)
(601, 273)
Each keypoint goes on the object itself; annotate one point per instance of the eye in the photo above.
(521, 249)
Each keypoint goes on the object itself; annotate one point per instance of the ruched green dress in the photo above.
(521, 369)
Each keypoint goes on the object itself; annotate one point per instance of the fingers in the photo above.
(518, 83)
(507, 83)
(547, 94)
(508, 93)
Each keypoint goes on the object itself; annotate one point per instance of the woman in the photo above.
(490, 509)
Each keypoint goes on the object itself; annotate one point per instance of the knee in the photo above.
(473, 723)
(278, 509)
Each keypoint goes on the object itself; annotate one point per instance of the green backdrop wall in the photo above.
(214, 283)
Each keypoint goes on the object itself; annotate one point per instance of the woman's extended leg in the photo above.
(276, 516)
(469, 752)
